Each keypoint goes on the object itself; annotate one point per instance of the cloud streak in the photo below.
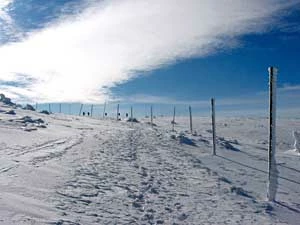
(74, 59)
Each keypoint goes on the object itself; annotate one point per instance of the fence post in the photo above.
(104, 108)
(118, 108)
(59, 107)
(151, 112)
(173, 121)
(213, 118)
(191, 119)
(272, 170)
(92, 107)
(131, 115)
(49, 106)
(80, 109)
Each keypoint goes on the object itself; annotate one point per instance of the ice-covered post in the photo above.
(173, 121)
(104, 108)
(92, 108)
(131, 115)
(80, 109)
(191, 119)
(151, 115)
(213, 118)
(59, 107)
(118, 108)
(297, 141)
(272, 170)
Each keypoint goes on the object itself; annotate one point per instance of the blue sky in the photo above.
(151, 52)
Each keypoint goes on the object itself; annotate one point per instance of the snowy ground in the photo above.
(80, 170)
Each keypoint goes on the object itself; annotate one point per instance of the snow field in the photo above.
(82, 170)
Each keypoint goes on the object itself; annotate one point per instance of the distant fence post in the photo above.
(118, 108)
(213, 118)
(191, 119)
(151, 114)
(59, 107)
(173, 121)
(49, 106)
(92, 108)
(131, 115)
(272, 170)
(70, 105)
(104, 108)
(80, 109)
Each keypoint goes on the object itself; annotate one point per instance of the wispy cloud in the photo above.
(73, 60)
(288, 95)
(4, 16)
(288, 87)
(150, 99)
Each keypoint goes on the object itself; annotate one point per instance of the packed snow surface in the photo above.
(62, 169)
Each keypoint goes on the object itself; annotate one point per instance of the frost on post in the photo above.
(297, 141)
(273, 172)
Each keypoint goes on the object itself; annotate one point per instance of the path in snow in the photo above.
(138, 176)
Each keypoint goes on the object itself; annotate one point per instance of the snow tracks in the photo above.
(139, 175)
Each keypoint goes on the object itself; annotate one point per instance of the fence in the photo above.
(149, 112)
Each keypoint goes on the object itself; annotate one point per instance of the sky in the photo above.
(146, 52)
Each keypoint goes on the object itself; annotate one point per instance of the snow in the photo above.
(80, 170)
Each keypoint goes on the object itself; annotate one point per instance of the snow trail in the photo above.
(140, 176)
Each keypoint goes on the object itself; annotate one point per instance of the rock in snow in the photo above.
(29, 107)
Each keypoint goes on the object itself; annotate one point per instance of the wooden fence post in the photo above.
(272, 170)
(80, 109)
(191, 119)
(118, 108)
(213, 118)
(151, 112)
(104, 108)
(173, 121)
(92, 108)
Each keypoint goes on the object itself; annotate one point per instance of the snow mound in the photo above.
(228, 144)
(29, 107)
(152, 124)
(30, 124)
(134, 120)
(6, 100)
(10, 112)
(45, 112)
(184, 139)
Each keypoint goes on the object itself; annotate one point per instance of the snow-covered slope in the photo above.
(77, 170)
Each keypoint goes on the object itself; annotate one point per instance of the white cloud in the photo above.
(3, 14)
(74, 59)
